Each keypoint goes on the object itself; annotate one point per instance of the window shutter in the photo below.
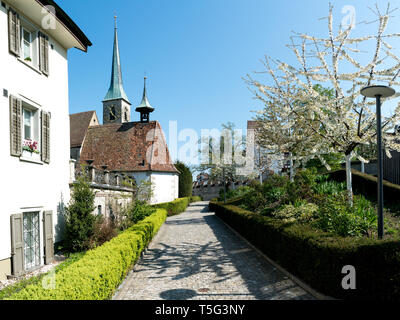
(17, 244)
(14, 32)
(44, 53)
(15, 126)
(45, 143)
(48, 237)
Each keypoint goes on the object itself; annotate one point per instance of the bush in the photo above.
(135, 211)
(174, 207)
(104, 230)
(337, 216)
(195, 199)
(79, 218)
(37, 280)
(99, 272)
(185, 180)
(317, 257)
(302, 213)
(366, 185)
(234, 193)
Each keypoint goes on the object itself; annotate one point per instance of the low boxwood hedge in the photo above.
(99, 272)
(318, 258)
(195, 199)
(366, 184)
(175, 207)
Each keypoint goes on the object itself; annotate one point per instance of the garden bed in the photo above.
(318, 257)
(313, 229)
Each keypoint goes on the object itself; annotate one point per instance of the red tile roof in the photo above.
(128, 147)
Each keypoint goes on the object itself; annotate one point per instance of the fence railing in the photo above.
(100, 177)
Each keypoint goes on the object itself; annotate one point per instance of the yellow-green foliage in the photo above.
(175, 207)
(97, 274)
(303, 213)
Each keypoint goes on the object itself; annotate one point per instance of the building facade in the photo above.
(34, 126)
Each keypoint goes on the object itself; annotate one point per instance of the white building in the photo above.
(34, 129)
(138, 149)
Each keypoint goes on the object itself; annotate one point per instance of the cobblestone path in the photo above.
(196, 256)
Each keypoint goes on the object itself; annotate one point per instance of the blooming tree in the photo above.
(345, 120)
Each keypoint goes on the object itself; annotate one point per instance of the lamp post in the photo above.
(379, 92)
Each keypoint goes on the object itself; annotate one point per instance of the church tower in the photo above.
(116, 105)
(145, 107)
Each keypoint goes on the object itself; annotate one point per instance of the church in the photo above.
(135, 148)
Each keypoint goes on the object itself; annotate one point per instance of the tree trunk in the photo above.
(348, 179)
(291, 173)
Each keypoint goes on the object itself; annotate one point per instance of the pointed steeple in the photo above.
(145, 107)
(116, 90)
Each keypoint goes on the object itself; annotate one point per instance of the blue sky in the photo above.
(195, 53)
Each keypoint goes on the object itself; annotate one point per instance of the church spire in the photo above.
(145, 107)
(116, 90)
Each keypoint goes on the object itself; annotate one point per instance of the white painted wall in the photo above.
(165, 186)
(26, 184)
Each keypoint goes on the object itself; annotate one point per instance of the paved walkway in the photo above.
(196, 256)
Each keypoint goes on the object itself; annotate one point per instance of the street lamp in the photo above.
(379, 92)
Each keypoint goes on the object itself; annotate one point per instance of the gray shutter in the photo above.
(45, 143)
(14, 32)
(17, 244)
(44, 53)
(15, 126)
(48, 237)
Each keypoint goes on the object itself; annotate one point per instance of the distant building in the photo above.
(137, 149)
(34, 144)
(79, 125)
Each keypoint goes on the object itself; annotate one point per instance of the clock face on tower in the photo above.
(113, 114)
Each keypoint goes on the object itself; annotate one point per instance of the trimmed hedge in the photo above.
(317, 257)
(99, 272)
(366, 184)
(175, 207)
(195, 199)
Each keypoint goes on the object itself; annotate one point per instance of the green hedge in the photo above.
(175, 207)
(195, 199)
(367, 185)
(318, 258)
(99, 272)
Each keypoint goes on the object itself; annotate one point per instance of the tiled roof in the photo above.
(252, 124)
(128, 147)
(79, 123)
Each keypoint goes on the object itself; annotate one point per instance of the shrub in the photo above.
(79, 220)
(302, 213)
(195, 199)
(317, 257)
(99, 272)
(337, 216)
(174, 207)
(185, 180)
(134, 212)
(366, 185)
(234, 193)
(104, 230)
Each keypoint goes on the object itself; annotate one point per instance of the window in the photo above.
(26, 45)
(99, 210)
(28, 122)
(31, 240)
(30, 131)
